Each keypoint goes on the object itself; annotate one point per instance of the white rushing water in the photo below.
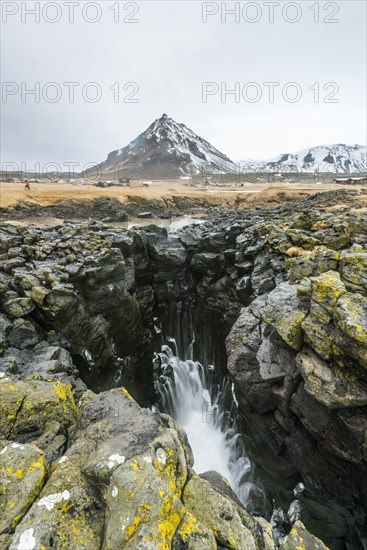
(184, 388)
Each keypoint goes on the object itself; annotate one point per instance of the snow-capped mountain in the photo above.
(167, 149)
(338, 158)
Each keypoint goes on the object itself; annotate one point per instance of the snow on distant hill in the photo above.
(168, 149)
(338, 158)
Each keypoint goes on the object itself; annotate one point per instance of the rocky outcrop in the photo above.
(95, 470)
(297, 355)
(84, 305)
(121, 477)
(300, 539)
(71, 283)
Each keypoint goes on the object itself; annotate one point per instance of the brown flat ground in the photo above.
(44, 194)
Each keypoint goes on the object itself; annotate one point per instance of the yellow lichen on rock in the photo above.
(22, 482)
(300, 539)
(193, 535)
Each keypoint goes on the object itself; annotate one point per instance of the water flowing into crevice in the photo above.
(207, 412)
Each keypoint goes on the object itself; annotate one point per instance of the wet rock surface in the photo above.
(83, 306)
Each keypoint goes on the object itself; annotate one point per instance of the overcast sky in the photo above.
(169, 52)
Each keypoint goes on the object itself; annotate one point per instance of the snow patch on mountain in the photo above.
(168, 149)
(338, 158)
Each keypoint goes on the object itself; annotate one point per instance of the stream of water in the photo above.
(189, 396)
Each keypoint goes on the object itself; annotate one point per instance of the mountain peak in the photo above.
(163, 120)
(168, 149)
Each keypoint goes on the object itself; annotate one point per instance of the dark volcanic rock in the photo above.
(296, 381)
(84, 305)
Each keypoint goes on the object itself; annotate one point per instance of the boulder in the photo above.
(67, 513)
(313, 263)
(331, 385)
(142, 512)
(19, 307)
(353, 269)
(192, 535)
(285, 312)
(28, 405)
(24, 334)
(327, 289)
(222, 517)
(350, 315)
(300, 539)
(23, 471)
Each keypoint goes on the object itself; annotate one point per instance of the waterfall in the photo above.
(188, 394)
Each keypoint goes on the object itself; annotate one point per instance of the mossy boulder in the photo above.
(28, 406)
(312, 264)
(353, 269)
(285, 312)
(192, 535)
(67, 513)
(300, 539)
(142, 512)
(329, 384)
(350, 316)
(23, 470)
(19, 307)
(219, 514)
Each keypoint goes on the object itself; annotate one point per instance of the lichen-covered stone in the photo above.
(351, 316)
(39, 293)
(336, 325)
(353, 270)
(19, 307)
(302, 238)
(23, 470)
(217, 513)
(192, 535)
(300, 539)
(142, 512)
(327, 289)
(66, 514)
(312, 264)
(27, 406)
(331, 385)
(285, 312)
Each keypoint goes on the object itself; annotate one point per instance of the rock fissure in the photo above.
(295, 350)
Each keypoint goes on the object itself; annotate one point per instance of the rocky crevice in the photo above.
(84, 305)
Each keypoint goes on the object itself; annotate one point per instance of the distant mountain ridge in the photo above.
(339, 158)
(169, 149)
